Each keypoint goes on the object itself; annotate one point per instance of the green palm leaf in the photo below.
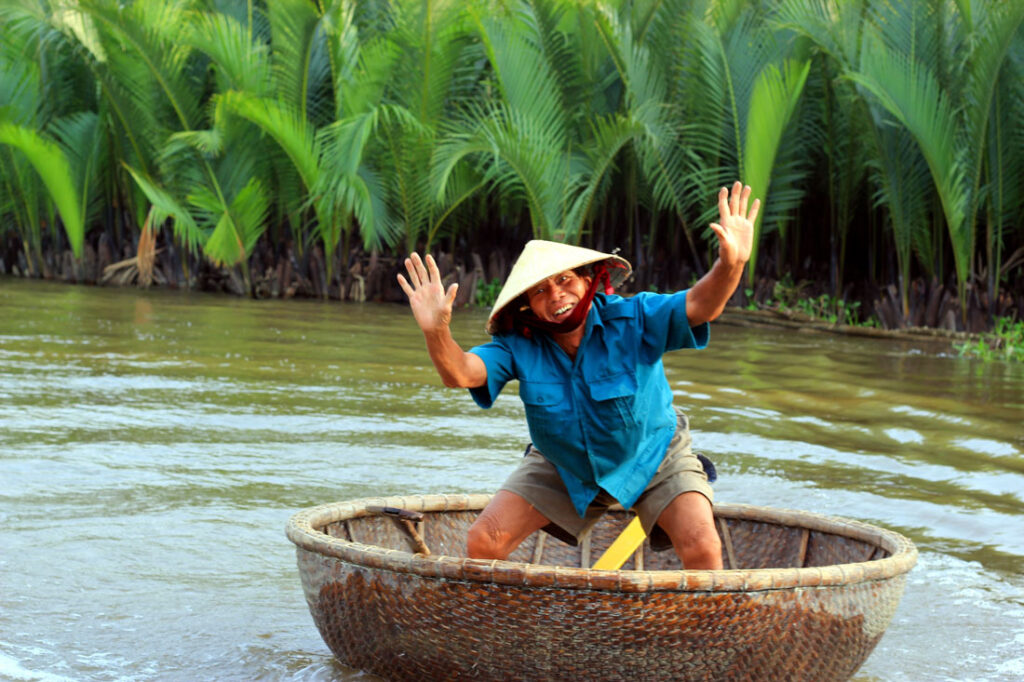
(642, 82)
(744, 50)
(904, 187)
(82, 138)
(997, 30)
(164, 206)
(20, 91)
(343, 41)
(612, 134)
(283, 123)
(362, 71)
(293, 25)
(241, 63)
(54, 170)
(772, 103)
(913, 96)
(347, 185)
(670, 168)
(520, 157)
(526, 80)
(149, 28)
(833, 25)
(530, 144)
(431, 37)
(1005, 171)
(704, 95)
(239, 227)
(395, 87)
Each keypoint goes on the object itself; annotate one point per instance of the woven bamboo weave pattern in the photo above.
(780, 614)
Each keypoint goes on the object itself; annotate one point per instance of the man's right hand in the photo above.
(432, 307)
(431, 304)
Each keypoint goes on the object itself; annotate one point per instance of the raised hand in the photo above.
(735, 228)
(431, 304)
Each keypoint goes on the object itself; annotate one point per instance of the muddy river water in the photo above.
(153, 445)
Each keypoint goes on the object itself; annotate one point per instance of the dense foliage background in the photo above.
(301, 146)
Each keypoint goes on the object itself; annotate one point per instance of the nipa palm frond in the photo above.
(528, 83)
(83, 139)
(772, 103)
(293, 25)
(239, 226)
(148, 29)
(165, 205)
(913, 96)
(282, 123)
(991, 45)
(241, 63)
(54, 170)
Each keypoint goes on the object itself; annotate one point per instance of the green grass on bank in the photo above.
(788, 296)
(1004, 342)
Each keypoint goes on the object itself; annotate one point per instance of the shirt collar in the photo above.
(594, 316)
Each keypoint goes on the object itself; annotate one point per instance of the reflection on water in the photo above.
(153, 445)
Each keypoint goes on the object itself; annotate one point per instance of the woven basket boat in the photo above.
(803, 597)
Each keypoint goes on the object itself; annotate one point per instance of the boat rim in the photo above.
(302, 529)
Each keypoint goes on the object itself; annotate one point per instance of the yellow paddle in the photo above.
(631, 537)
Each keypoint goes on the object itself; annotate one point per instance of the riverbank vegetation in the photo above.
(1004, 342)
(303, 147)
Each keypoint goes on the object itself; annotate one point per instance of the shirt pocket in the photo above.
(546, 404)
(614, 400)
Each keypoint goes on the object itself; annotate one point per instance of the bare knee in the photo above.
(506, 521)
(689, 522)
(487, 539)
(699, 547)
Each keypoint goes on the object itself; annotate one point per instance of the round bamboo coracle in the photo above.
(803, 597)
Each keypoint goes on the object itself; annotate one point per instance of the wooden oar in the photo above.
(631, 537)
(406, 520)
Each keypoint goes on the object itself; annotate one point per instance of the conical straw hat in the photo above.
(541, 259)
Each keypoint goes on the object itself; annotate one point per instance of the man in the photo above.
(598, 405)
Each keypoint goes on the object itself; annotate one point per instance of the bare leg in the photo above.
(690, 525)
(505, 522)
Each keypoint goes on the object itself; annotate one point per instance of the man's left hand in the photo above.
(735, 228)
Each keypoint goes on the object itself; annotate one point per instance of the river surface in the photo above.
(153, 446)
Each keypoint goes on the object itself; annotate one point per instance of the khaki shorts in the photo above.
(537, 481)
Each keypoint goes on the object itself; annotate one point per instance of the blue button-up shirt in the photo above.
(604, 419)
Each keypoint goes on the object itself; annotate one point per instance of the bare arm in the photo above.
(432, 307)
(707, 298)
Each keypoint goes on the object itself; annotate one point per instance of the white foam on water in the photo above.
(904, 435)
(987, 446)
(1012, 664)
(950, 599)
(12, 669)
(1012, 668)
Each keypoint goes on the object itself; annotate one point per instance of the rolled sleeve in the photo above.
(666, 326)
(498, 360)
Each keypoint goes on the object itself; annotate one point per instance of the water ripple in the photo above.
(152, 447)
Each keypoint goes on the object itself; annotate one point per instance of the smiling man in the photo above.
(598, 405)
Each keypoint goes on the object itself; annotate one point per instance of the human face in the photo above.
(554, 298)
